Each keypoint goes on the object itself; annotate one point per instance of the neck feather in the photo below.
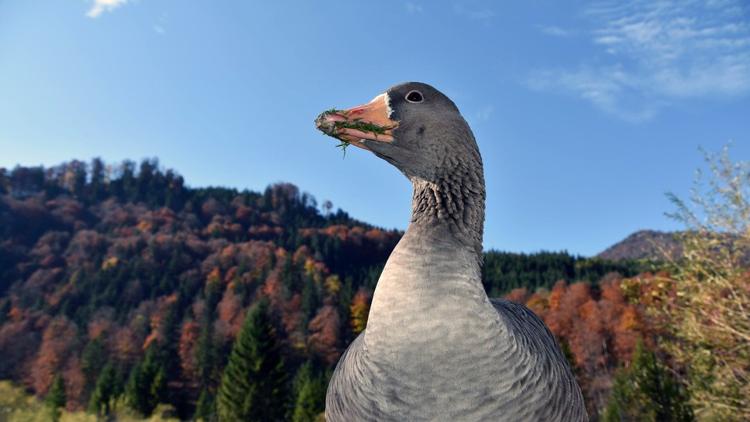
(434, 271)
(454, 202)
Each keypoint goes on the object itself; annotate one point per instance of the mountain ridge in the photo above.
(644, 245)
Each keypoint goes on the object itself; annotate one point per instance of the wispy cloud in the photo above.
(609, 88)
(481, 14)
(484, 113)
(100, 6)
(655, 53)
(555, 31)
(413, 7)
(160, 27)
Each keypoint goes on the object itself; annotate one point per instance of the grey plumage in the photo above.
(436, 347)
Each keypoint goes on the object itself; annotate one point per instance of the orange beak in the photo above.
(369, 121)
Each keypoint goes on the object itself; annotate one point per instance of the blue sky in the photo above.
(586, 112)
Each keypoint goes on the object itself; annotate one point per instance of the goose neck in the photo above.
(453, 206)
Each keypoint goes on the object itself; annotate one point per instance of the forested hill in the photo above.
(645, 244)
(131, 287)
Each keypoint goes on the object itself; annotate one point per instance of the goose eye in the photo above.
(414, 97)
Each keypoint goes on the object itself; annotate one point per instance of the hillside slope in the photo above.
(110, 269)
(645, 245)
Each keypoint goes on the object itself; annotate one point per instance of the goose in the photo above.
(436, 347)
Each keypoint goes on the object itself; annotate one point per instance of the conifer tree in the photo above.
(646, 391)
(253, 386)
(205, 409)
(56, 397)
(105, 393)
(207, 353)
(309, 390)
(93, 360)
(168, 357)
(147, 386)
(310, 300)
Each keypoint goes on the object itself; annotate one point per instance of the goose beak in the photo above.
(370, 121)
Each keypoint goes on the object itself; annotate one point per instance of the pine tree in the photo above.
(646, 391)
(309, 390)
(93, 360)
(168, 356)
(205, 409)
(310, 300)
(207, 353)
(147, 386)
(253, 386)
(105, 393)
(56, 398)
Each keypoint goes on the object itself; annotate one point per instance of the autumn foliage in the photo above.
(125, 282)
(124, 267)
(595, 324)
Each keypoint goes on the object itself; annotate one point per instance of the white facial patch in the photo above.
(388, 109)
(387, 100)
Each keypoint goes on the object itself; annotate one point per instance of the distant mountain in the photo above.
(643, 244)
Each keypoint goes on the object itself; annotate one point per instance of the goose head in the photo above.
(414, 127)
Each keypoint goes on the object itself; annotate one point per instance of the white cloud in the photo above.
(554, 31)
(653, 53)
(413, 7)
(484, 113)
(482, 14)
(608, 88)
(160, 27)
(101, 6)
